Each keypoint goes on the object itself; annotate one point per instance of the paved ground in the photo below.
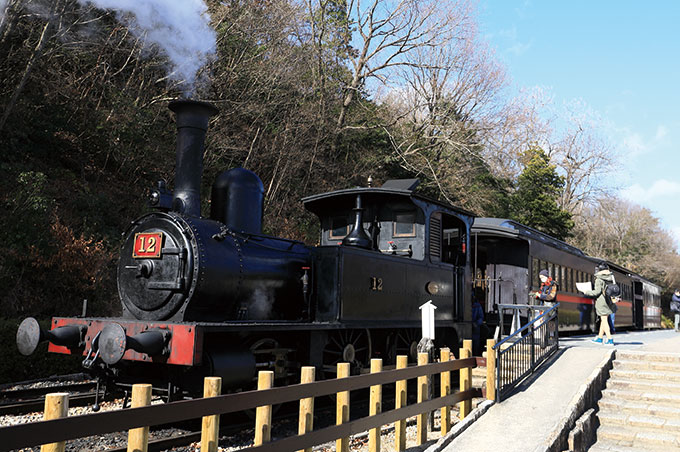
(524, 420)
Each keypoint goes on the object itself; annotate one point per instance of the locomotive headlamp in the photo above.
(432, 288)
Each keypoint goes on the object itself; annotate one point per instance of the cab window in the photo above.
(339, 228)
(404, 224)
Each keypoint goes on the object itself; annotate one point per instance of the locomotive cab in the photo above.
(416, 252)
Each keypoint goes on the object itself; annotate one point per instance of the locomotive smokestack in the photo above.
(192, 124)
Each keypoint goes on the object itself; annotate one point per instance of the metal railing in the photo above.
(519, 354)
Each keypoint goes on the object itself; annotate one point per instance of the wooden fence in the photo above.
(56, 428)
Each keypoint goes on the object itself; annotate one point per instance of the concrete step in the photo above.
(660, 366)
(631, 407)
(647, 356)
(479, 372)
(624, 374)
(640, 437)
(649, 397)
(661, 386)
(614, 446)
(613, 418)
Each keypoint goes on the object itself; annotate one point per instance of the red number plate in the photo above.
(147, 245)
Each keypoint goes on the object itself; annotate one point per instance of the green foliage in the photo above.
(534, 202)
(667, 322)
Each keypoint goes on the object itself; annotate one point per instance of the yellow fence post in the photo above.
(306, 420)
(342, 408)
(467, 344)
(421, 419)
(375, 401)
(56, 407)
(400, 402)
(138, 438)
(465, 383)
(210, 428)
(445, 386)
(263, 414)
(490, 369)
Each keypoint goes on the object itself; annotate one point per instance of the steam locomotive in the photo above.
(214, 296)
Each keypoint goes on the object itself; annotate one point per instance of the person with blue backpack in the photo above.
(675, 308)
(603, 278)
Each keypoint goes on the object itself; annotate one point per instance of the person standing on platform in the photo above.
(603, 276)
(548, 290)
(477, 321)
(675, 308)
(546, 296)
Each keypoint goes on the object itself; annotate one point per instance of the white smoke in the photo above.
(3, 6)
(261, 303)
(180, 28)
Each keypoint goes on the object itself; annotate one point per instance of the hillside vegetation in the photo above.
(312, 99)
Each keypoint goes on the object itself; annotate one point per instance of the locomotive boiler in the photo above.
(215, 296)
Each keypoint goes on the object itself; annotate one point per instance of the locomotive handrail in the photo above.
(57, 430)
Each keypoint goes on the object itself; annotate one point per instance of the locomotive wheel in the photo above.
(270, 356)
(404, 342)
(347, 346)
(263, 349)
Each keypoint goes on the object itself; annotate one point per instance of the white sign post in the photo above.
(427, 316)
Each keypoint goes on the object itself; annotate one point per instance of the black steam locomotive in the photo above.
(214, 296)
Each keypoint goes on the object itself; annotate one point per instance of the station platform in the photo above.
(528, 417)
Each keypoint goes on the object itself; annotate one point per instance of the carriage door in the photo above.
(638, 305)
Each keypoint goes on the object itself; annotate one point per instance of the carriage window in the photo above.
(404, 224)
(535, 268)
(339, 228)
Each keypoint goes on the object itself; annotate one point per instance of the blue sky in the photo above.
(622, 59)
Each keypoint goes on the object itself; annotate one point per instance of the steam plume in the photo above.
(3, 6)
(181, 28)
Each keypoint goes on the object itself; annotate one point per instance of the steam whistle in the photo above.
(113, 343)
(357, 236)
(30, 335)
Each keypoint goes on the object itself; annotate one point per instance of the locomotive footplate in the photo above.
(172, 343)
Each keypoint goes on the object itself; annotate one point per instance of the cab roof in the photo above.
(392, 190)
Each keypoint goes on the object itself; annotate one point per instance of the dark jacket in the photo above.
(675, 303)
(477, 315)
(602, 278)
(548, 290)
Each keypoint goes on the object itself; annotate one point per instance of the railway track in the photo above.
(29, 396)
(237, 430)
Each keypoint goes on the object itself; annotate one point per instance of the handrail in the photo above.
(528, 325)
(522, 357)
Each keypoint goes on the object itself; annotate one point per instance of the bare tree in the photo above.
(386, 34)
(630, 235)
(443, 103)
(522, 123)
(584, 157)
